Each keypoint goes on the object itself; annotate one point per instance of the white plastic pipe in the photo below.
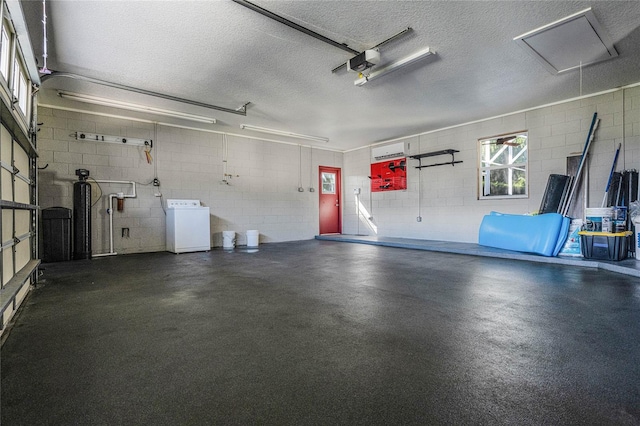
(110, 211)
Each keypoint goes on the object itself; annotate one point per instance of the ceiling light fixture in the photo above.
(135, 107)
(283, 133)
(394, 66)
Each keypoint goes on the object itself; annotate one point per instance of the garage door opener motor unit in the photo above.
(363, 61)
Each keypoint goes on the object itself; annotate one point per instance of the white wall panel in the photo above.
(23, 221)
(5, 148)
(448, 202)
(7, 225)
(22, 192)
(21, 159)
(261, 194)
(7, 265)
(6, 179)
(23, 254)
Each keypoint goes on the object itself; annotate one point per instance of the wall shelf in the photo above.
(451, 152)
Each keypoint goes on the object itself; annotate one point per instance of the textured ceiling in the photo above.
(221, 53)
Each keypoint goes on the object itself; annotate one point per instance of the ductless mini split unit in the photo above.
(386, 152)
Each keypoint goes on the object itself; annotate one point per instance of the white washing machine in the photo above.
(188, 226)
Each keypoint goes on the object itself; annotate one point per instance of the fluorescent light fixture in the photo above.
(134, 107)
(569, 43)
(283, 133)
(394, 66)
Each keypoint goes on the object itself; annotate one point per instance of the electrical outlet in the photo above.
(157, 194)
(156, 182)
(300, 189)
(356, 191)
(419, 218)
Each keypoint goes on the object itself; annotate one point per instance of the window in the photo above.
(5, 52)
(20, 86)
(328, 183)
(503, 166)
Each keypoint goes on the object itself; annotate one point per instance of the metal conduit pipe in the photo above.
(295, 26)
(110, 210)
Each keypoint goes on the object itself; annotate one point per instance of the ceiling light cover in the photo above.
(283, 133)
(569, 43)
(135, 107)
(395, 65)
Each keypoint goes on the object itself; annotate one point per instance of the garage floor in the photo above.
(322, 332)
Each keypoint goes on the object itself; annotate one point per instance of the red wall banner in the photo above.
(390, 175)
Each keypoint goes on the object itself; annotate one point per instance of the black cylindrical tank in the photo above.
(82, 216)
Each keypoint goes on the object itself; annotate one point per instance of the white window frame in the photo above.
(326, 190)
(21, 86)
(8, 37)
(514, 162)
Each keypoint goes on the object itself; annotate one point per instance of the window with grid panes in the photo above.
(503, 166)
(5, 52)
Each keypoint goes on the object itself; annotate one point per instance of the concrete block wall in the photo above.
(446, 197)
(631, 157)
(261, 194)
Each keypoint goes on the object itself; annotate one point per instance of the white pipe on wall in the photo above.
(110, 210)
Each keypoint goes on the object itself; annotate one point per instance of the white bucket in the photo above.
(252, 238)
(228, 239)
(598, 219)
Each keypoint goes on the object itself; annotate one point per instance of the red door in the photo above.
(330, 222)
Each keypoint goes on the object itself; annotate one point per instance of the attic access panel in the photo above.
(568, 43)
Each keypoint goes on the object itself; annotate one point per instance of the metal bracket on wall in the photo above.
(419, 157)
(92, 137)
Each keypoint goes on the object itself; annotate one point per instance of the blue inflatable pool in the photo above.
(542, 234)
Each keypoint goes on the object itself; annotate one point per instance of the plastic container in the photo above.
(253, 237)
(571, 246)
(598, 219)
(228, 239)
(604, 245)
(619, 219)
(56, 230)
(636, 236)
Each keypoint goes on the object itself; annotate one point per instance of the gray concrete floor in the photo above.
(628, 266)
(322, 332)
